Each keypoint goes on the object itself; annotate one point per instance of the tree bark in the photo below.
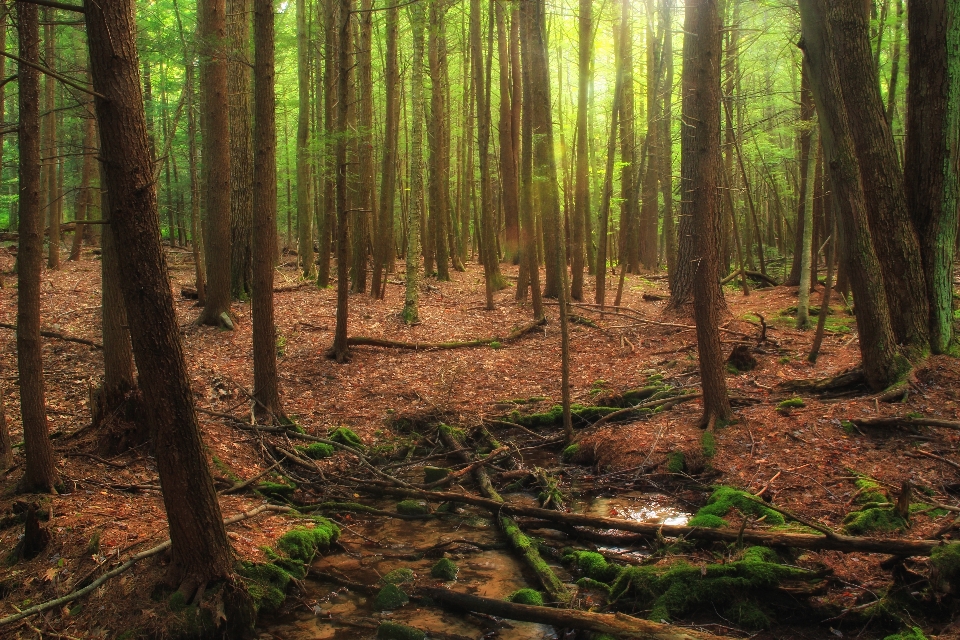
(508, 153)
(304, 160)
(933, 128)
(365, 208)
(241, 152)
(700, 152)
(882, 362)
(50, 130)
(530, 265)
(39, 475)
(666, 141)
(411, 310)
(807, 108)
(339, 351)
(216, 158)
(86, 173)
(329, 214)
(384, 247)
(265, 387)
(582, 159)
(439, 190)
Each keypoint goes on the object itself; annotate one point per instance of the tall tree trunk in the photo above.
(265, 386)
(700, 152)
(86, 173)
(339, 351)
(329, 214)
(807, 260)
(216, 158)
(582, 160)
(508, 153)
(894, 65)
(630, 227)
(528, 218)
(200, 552)
(649, 212)
(882, 363)
(384, 247)
(933, 128)
(666, 141)
(363, 165)
(411, 309)
(50, 129)
(39, 474)
(241, 151)
(437, 138)
(304, 160)
(806, 115)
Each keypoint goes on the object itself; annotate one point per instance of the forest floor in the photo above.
(804, 456)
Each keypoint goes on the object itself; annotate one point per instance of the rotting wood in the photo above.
(617, 624)
(57, 336)
(473, 466)
(837, 542)
(437, 346)
(905, 421)
(163, 546)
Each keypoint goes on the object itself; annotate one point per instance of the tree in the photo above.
(328, 216)
(264, 211)
(241, 153)
(700, 153)
(508, 152)
(362, 165)
(411, 311)
(438, 140)
(933, 128)
(39, 474)
(528, 225)
(216, 159)
(83, 191)
(666, 141)
(200, 552)
(878, 346)
(50, 129)
(304, 167)
(384, 252)
(582, 159)
(806, 115)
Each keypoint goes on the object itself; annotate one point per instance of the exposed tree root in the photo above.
(836, 542)
(57, 336)
(457, 344)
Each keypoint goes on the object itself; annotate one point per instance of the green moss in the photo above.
(393, 631)
(401, 575)
(873, 519)
(316, 450)
(570, 452)
(445, 570)
(266, 584)
(708, 444)
(177, 602)
(413, 508)
(593, 566)
(527, 596)
(707, 521)
(554, 416)
(916, 633)
(868, 490)
(496, 345)
(276, 489)
(791, 403)
(434, 474)
(725, 499)
(676, 463)
(389, 598)
(346, 437)
(945, 560)
(848, 427)
(302, 543)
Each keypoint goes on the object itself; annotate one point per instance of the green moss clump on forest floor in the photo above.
(676, 462)
(435, 474)
(275, 489)
(723, 500)
(916, 633)
(945, 561)
(401, 575)
(593, 566)
(393, 631)
(389, 598)
(302, 543)
(791, 403)
(570, 452)
(413, 508)
(445, 569)
(526, 596)
(708, 444)
(873, 518)
(869, 490)
(316, 450)
(346, 437)
(456, 433)
(579, 413)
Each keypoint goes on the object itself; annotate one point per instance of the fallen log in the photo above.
(447, 479)
(616, 624)
(435, 346)
(57, 336)
(905, 421)
(837, 542)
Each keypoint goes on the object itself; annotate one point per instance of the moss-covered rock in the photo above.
(316, 450)
(413, 508)
(707, 521)
(527, 596)
(302, 543)
(346, 437)
(401, 575)
(593, 565)
(445, 569)
(393, 631)
(389, 598)
(872, 518)
(869, 490)
(725, 499)
(435, 474)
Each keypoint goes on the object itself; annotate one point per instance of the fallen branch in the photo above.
(240, 486)
(467, 469)
(844, 543)
(616, 624)
(653, 404)
(636, 316)
(906, 421)
(434, 346)
(50, 604)
(57, 336)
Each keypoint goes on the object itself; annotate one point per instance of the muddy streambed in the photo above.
(375, 546)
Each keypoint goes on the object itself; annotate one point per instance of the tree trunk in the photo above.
(582, 158)
(895, 65)
(329, 214)
(649, 211)
(265, 387)
(361, 164)
(630, 228)
(439, 191)
(216, 158)
(806, 115)
(882, 363)
(241, 152)
(807, 261)
(339, 351)
(200, 552)
(933, 127)
(411, 310)
(508, 153)
(83, 191)
(50, 145)
(384, 251)
(304, 160)
(530, 265)
(666, 142)
(894, 238)
(700, 152)
(39, 475)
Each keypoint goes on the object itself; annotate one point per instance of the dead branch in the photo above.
(435, 346)
(905, 421)
(467, 469)
(57, 336)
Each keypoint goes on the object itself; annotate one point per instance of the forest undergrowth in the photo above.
(798, 460)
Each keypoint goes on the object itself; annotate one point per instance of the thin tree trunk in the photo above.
(807, 261)
(508, 154)
(39, 474)
(339, 351)
(582, 159)
(528, 217)
(894, 65)
(83, 191)
(50, 129)
(666, 140)
(329, 215)
(630, 234)
(806, 115)
(411, 309)
(437, 137)
(241, 151)
(385, 253)
(304, 160)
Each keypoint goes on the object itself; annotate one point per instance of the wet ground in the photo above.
(374, 546)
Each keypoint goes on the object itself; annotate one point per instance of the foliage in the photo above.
(676, 462)
(871, 519)
(916, 633)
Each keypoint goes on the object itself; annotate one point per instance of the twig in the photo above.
(246, 483)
